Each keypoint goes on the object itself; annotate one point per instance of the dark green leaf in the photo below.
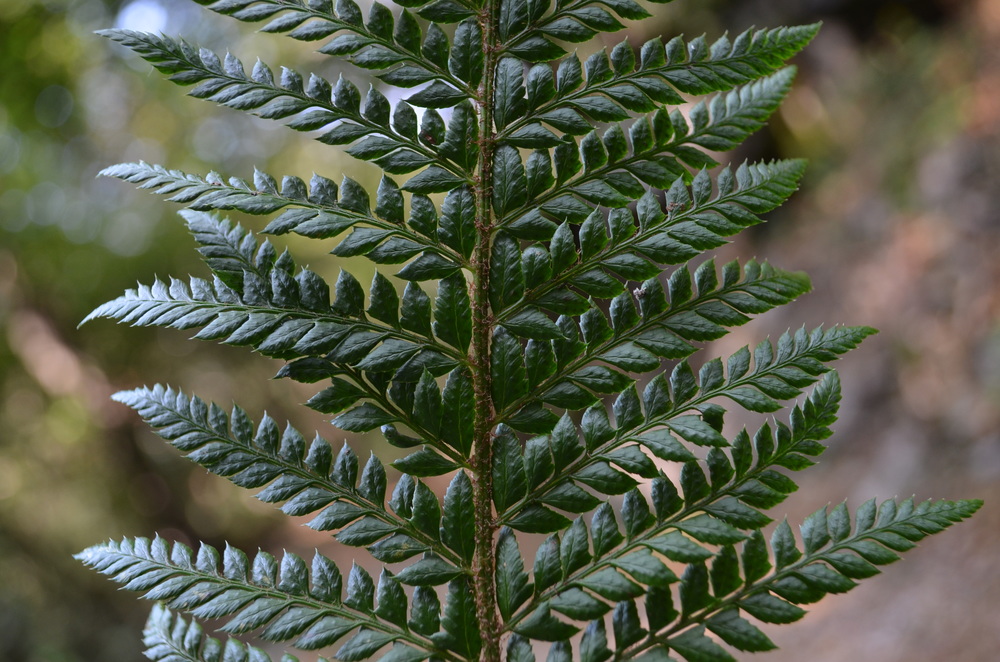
(459, 402)
(461, 627)
(538, 519)
(660, 611)
(507, 368)
(384, 304)
(756, 562)
(519, 649)
(457, 227)
(574, 549)
(571, 498)
(363, 645)
(509, 183)
(388, 356)
(512, 585)
(428, 571)
(533, 323)
(425, 611)
(392, 601)
(364, 532)
(360, 590)
(362, 419)
(605, 531)
(696, 430)
(594, 643)
(509, 482)
(635, 513)
(769, 609)
(453, 312)
(725, 572)
(335, 398)
(612, 585)
(458, 526)
(783, 544)
(548, 568)
(602, 477)
(815, 533)
(424, 462)
(646, 568)
(627, 627)
(543, 626)
(579, 605)
(506, 276)
(509, 92)
(466, 59)
(434, 179)
(416, 310)
(694, 646)
(710, 530)
(373, 481)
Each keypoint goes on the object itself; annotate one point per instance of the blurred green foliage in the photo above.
(892, 106)
(73, 469)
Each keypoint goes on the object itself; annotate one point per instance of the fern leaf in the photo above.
(305, 477)
(327, 20)
(615, 250)
(562, 371)
(712, 511)
(675, 529)
(255, 301)
(391, 45)
(560, 466)
(296, 329)
(313, 106)
(319, 213)
(565, 260)
(726, 120)
(169, 638)
(605, 171)
(282, 600)
(829, 567)
(615, 85)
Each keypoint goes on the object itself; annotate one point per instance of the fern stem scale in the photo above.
(484, 561)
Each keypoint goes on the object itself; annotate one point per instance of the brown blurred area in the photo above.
(899, 227)
(897, 106)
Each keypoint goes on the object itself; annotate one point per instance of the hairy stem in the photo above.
(484, 562)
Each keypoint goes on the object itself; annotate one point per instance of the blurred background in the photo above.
(897, 106)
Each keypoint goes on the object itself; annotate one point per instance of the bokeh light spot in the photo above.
(142, 15)
(53, 106)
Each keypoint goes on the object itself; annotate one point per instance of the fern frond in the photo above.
(623, 445)
(617, 85)
(384, 42)
(635, 340)
(282, 600)
(582, 577)
(390, 363)
(258, 299)
(317, 212)
(295, 322)
(529, 30)
(554, 469)
(607, 171)
(694, 67)
(565, 261)
(305, 477)
(169, 638)
(726, 120)
(313, 106)
(614, 250)
(833, 558)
